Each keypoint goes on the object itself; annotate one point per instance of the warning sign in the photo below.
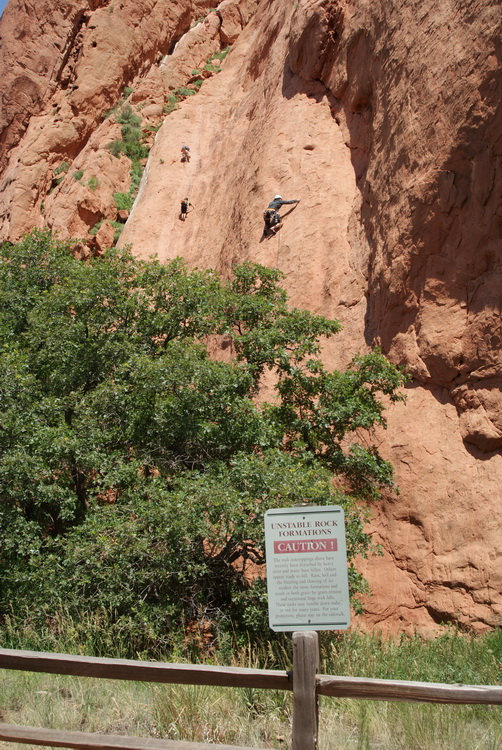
(307, 568)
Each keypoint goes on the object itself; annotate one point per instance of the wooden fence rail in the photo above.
(409, 692)
(83, 741)
(144, 671)
(266, 679)
(304, 681)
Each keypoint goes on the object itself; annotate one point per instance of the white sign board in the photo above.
(307, 578)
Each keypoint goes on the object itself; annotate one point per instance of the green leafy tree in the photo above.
(135, 468)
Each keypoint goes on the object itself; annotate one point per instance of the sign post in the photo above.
(305, 700)
(308, 590)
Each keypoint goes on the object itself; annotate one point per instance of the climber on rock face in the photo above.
(185, 206)
(271, 217)
(279, 201)
(272, 221)
(185, 153)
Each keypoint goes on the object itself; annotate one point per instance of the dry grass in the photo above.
(262, 718)
(242, 717)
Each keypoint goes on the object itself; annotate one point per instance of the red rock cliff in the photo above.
(384, 118)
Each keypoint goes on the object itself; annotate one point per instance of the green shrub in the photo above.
(126, 116)
(111, 501)
(131, 144)
(126, 113)
(184, 91)
(63, 167)
(136, 175)
(95, 229)
(93, 183)
(172, 104)
(109, 112)
(133, 147)
(135, 150)
(123, 201)
(118, 226)
(116, 148)
(221, 54)
(224, 52)
(198, 83)
(130, 133)
(78, 175)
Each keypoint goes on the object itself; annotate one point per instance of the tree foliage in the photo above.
(135, 468)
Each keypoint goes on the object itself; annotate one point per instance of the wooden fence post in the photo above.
(305, 702)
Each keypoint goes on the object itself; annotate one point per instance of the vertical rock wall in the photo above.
(383, 119)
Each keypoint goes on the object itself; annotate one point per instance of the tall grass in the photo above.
(262, 718)
(451, 657)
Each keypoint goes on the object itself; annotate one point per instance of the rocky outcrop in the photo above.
(64, 70)
(383, 118)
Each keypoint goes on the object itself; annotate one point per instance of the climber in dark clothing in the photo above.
(271, 217)
(278, 202)
(186, 207)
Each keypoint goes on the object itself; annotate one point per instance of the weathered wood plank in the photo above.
(305, 701)
(401, 690)
(142, 671)
(195, 674)
(83, 741)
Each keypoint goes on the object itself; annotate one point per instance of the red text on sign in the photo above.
(306, 545)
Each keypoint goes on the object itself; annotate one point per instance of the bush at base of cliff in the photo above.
(123, 201)
(135, 470)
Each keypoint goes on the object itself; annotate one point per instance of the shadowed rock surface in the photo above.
(384, 118)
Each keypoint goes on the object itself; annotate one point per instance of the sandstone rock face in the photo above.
(62, 70)
(383, 117)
